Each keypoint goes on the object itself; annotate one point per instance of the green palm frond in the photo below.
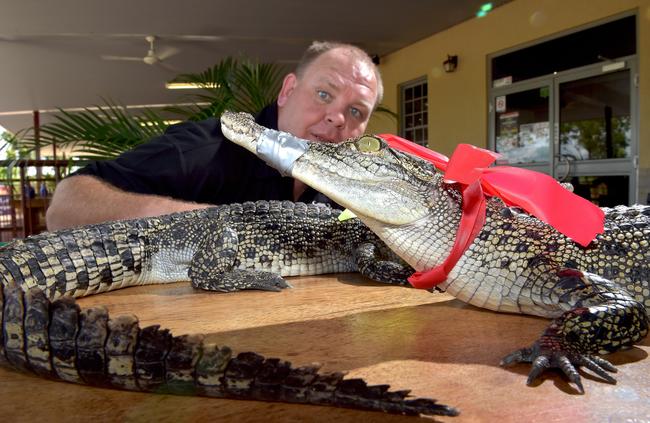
(382, 110)
(101, 132)
(242, 86)
(216, 94)
(257, 85)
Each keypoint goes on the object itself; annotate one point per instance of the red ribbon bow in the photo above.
(537, 193)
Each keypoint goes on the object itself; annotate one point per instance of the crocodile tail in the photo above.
(58, 340)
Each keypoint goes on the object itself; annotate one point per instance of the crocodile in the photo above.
(252, 245)
(597, 296)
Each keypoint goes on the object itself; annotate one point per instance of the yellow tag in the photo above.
(346, 214)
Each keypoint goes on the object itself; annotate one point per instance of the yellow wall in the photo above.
(458, 101)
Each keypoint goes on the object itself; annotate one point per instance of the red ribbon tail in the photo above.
(542, 196)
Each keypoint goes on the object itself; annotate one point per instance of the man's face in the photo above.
(331, 102)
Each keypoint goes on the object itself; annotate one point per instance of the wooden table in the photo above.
(430, 343)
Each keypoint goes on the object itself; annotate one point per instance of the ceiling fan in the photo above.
(152, 58)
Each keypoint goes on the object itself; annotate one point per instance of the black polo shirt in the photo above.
(193, 161)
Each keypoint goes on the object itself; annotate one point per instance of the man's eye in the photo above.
(356, 113)
(368, 144)
(323, 95)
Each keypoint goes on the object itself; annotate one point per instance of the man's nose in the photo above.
(336, 118)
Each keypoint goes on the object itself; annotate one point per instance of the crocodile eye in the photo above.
(368, 144)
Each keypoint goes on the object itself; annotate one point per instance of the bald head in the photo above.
(319, 48)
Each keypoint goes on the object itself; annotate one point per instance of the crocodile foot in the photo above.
(239, 279)
(372, 265)
(549, 352)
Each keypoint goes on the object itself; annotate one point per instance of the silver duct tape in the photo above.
(280, 150)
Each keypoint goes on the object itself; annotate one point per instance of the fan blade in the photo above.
(167, 67)
(189, 37)
(167, 52)
(126, 58)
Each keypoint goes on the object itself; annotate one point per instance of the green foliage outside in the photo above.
(9, 173)
(591, 136)
(9, 141)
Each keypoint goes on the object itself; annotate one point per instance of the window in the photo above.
(598, 44)
(415, 114)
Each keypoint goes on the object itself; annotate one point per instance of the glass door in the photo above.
(595, 149)
(578, 126)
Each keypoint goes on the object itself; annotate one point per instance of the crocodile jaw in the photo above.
(241, 129)
(369, 195)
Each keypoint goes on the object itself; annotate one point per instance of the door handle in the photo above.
(559, 159)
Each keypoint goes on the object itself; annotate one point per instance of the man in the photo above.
(328, 98)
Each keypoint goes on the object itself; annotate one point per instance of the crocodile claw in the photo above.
(266, 281)
(555, 356)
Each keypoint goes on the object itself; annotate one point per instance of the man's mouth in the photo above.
(322, 138)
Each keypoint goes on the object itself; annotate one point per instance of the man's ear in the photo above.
(288, 84)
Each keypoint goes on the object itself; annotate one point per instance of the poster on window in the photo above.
(507, 138)
(500, 104)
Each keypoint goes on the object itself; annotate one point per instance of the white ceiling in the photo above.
(50, 51)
